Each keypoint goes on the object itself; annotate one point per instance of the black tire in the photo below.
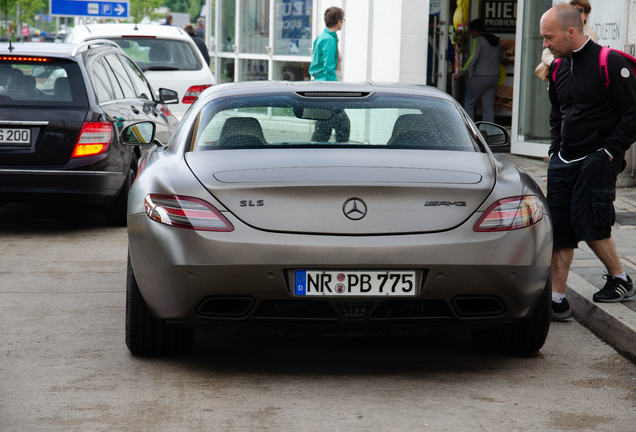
(524, 337)
(146, 335)
(117, 212)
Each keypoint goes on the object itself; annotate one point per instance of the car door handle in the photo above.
(134, 109)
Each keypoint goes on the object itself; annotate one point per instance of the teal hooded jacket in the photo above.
(325, 57)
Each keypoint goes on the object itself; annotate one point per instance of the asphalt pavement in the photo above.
(613, 322)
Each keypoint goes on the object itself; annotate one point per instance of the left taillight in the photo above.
(94, 139)
(510, 214)
(193, 93)
(185, 212)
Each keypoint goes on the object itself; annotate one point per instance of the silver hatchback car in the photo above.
(334, 207)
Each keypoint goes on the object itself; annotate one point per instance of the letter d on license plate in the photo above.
(354, 283)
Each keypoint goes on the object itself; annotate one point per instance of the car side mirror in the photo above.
(168, 97)
(139, 134)
(494, 135)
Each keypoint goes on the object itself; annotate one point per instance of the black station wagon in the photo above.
(62, 108)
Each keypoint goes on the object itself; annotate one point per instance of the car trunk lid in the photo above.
(347, 191)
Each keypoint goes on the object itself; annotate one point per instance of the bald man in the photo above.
(591, 128)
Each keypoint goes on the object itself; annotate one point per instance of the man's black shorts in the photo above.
(581, 198)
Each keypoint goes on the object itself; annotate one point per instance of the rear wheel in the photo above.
(146, 335)
(117, 212)
(526, 336)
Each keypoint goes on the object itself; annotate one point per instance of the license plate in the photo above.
(15, 136)
(354, 283)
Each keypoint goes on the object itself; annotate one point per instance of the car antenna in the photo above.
(135, 20)
(11, 47)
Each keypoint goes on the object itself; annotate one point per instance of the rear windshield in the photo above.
(159, 54)
(50, 83)
(389, 121)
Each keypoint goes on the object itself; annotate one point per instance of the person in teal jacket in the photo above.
(325, 55)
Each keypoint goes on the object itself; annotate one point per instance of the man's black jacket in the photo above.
(585, 116)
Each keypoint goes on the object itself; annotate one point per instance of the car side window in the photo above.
(138, 78)
(119, 94)
(122, 77)
(103, 87)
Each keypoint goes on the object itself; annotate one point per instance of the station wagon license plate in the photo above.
(354, 283)
(15, 136)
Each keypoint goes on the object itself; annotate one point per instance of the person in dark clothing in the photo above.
(200, 30)
(189, 29)
(591, 127)
(168, 20)
(484, 60)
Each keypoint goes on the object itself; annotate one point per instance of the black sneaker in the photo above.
(561, 311)
(615, 290)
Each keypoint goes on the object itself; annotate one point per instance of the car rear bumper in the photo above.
(100, 187)
(179, 270)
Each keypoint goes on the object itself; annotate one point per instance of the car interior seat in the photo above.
(158, 53)
(21, 86)
(62, 89)
(416, 130)
(241, 132)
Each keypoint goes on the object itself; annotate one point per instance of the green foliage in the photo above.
(143, 8)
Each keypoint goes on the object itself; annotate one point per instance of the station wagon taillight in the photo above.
(185, 212)
(511, 213)
(193, 93)
(94, 139)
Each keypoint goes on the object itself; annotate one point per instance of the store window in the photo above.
(291, 71)
(293, 27)
(254, 26)
(227, 70)
(228, 26)
(534, 110)
(254, 70)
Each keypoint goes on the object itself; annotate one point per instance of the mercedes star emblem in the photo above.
(354, 208)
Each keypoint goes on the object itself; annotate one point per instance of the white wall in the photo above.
(384, 40)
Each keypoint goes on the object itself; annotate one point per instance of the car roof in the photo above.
(96, 31)
(38, 48)
(324, 87)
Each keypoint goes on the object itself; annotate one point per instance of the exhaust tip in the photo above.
(478, 306)
(226, 307)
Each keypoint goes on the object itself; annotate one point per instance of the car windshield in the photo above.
(41, 82)
(159, 54)
(390, 121)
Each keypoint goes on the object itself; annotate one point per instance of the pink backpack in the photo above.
(602, 64)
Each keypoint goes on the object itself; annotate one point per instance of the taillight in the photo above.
(94, 139)
(193, 93)
(510, 214)
(185, 212)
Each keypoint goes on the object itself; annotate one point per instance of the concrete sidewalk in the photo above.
(614, 322)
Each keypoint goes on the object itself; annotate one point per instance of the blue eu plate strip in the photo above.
(300, 283)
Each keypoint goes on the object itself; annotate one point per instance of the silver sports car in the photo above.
(332, 207)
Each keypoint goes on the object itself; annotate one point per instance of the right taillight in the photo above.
(511, 214)
(185, 212)
(193, 93)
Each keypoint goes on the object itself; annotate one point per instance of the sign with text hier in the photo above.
(98, 9)
(500, 16)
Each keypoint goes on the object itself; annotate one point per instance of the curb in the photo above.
(614, 322)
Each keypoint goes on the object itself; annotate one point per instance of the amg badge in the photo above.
(445, 203)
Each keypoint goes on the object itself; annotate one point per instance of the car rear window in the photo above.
(159, 54)
(390, 121)
(41, 83)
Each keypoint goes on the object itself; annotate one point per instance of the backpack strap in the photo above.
(602, 65)
(556, 69)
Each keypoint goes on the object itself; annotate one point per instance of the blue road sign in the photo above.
(47, 18)
(101, 9)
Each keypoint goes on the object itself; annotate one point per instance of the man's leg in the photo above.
(473, 93)
(561, 262)
(488, 102)
(605, 250)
